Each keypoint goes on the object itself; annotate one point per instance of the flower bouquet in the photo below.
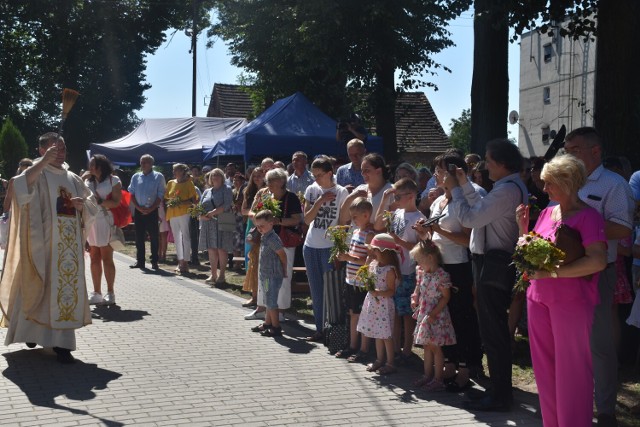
(387, 217)
(533, 252)
(196, 210)
(268, 202)
(175, 200)
(366, 278)
(338, 234)
(301, 198)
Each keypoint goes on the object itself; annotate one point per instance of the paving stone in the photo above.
(177, 352)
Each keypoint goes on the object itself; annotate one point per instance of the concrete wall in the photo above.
(569, 76)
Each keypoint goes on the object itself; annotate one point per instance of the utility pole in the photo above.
(194, 45)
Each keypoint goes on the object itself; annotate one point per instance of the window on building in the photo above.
(546, 95)
(548, 52)
(546, 130)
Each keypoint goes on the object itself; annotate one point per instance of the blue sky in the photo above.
(169, 73)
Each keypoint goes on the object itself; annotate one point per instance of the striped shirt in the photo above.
(357, 248)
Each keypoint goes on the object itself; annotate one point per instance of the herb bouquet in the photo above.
(268, 202)
(387, 217)
(366, 278)
(196, 210)
(338, 234)
(174, 200)
(534, 252)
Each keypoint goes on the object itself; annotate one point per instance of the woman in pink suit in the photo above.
(561, 303)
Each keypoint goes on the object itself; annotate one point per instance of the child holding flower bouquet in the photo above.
(378, 310)
(429, 302)
(362, 235)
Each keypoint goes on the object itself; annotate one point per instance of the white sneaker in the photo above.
(95, 298)
(109, 299)
(281, 317)
(255, 315)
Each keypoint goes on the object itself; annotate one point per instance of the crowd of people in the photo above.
(429, 260)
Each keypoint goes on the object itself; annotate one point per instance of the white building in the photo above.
(557, 86)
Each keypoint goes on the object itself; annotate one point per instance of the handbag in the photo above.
(121, 213)
(498, 270)
(117, 238)
(289, 237)
(569, 241)
(226, 221)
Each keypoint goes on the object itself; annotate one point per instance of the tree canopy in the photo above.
(95, 47)
(460, 132)
(337, 51)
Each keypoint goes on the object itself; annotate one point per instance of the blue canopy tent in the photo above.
(291, 124)
(169, 140)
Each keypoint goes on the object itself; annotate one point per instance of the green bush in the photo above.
(13, 148)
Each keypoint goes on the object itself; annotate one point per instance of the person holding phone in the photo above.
(452, 240)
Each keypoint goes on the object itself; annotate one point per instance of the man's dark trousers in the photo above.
(146, 224)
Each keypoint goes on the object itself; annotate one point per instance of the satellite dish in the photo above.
(513, 117)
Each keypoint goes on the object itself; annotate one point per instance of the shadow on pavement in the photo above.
(525, 404)
(114, 313)
(42, 379)
(296, 345)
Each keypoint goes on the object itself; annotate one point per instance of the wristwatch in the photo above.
(554, 274)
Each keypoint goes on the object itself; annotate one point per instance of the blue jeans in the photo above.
(317, 262)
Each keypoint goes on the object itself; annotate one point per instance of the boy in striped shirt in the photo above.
(361, 211)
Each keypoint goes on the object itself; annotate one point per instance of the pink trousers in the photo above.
(559, 334)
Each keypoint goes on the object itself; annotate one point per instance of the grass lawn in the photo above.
(523, 378)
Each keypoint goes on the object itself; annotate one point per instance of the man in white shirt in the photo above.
(611, 195)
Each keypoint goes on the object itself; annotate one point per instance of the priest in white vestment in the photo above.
(43, 293)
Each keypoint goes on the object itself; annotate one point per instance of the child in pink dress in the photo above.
(434, 328)
(378, 310)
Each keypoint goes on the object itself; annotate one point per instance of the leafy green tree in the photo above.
(95, 47)
(327, 48)
(13, 148)
(460, 133)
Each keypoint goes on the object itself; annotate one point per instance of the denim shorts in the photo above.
(271, 287)
(402, 297)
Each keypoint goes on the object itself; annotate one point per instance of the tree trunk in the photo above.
(617, 98)
(385, 110)
(490, 83)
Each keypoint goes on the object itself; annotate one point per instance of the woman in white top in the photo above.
(376, 177)
(453, 241)
(107, 190)
(321, 211)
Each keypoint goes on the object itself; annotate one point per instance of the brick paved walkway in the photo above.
(173, 351)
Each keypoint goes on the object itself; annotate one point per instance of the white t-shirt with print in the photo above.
(402, 222)
(327, 216)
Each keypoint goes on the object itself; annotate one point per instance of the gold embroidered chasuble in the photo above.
(44, 278)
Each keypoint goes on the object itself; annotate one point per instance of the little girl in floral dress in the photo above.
(378, 310)
(429, 302)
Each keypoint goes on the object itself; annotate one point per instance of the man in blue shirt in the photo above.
(301, 178)
(147, 188)
(350, 175)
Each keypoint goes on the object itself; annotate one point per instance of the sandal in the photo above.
(317, 337)
(387, 370)
(422, 381)
(260, 328)
(272, 332)
(345, 353)
(373, 367)
(359, 357)
(434, 385)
